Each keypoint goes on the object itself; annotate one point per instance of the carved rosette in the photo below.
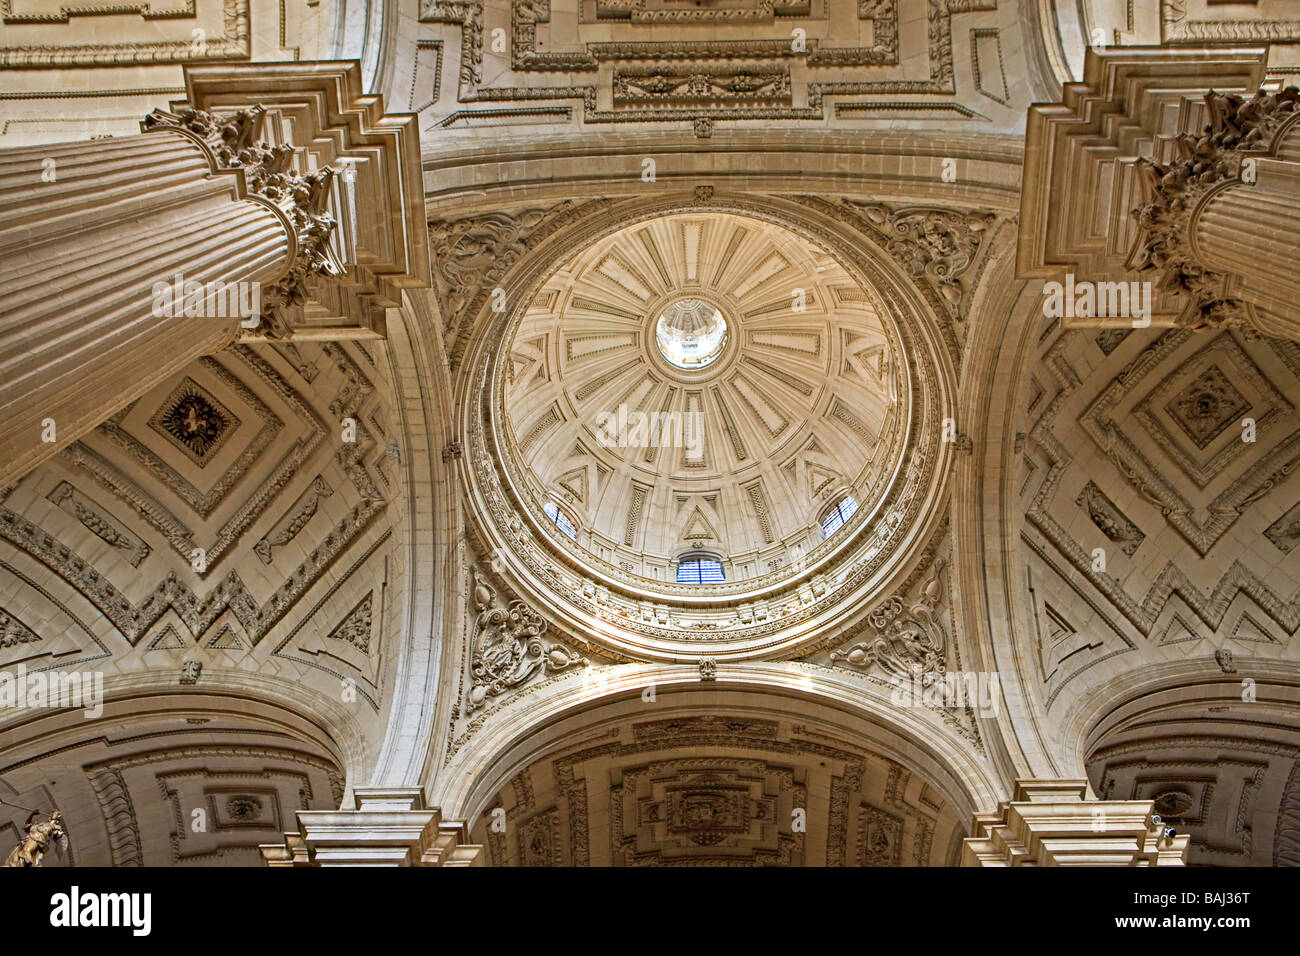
(910, 641)
(1175, 191)
(235, 143)
(507, 648)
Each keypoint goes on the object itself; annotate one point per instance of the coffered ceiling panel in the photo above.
(719, 63)
(195, 784)
(1159, 477)
(233, 520)
(718, 790)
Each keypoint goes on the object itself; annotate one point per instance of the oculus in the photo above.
(691, 333)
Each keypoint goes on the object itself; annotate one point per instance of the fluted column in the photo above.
(1252, 230)
(1053, 823)
(1221, 226)
(94, 236)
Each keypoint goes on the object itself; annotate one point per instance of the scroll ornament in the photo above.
(508, 649)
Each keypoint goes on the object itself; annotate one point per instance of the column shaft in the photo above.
(87, 230)
(1253, 232)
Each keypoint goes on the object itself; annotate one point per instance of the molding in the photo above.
(387, 827)
(233, 44)
(1054, 823)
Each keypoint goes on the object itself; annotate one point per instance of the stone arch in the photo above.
(745, 716)
(1219, 755)
(173, 778)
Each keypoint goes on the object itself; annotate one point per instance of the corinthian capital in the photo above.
(1173, 192)
(235, 142)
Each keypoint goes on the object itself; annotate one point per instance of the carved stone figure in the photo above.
(935, 243)
(507, 648)
(31, 851)
(911, 640)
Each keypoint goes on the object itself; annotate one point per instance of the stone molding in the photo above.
(387, 827)
(377, 196)
(1094, 142)
(1054, 823)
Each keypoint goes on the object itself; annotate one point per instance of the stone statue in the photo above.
(32, 850)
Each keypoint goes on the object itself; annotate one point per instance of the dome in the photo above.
(700, 383)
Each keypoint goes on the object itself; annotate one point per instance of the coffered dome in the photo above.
(700, 382)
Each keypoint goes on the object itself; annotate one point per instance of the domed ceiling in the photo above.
(701, 382)
(670, 406)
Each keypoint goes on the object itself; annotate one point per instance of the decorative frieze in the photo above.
(92, 516)
(1107, 517)
(288, 527)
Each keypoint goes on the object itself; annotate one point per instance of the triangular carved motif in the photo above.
(226, 640)
(820, 480)
(1179, 631)
(168, 639)
(575, 483)
(698, 528)
(1249, 629)
(355, 628)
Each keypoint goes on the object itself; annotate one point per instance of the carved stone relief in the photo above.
(744, 73)
(911, 640)
(718, 790)
(507, 648)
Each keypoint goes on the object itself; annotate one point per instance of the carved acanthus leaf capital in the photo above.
(1172, 193)
(235, 143)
